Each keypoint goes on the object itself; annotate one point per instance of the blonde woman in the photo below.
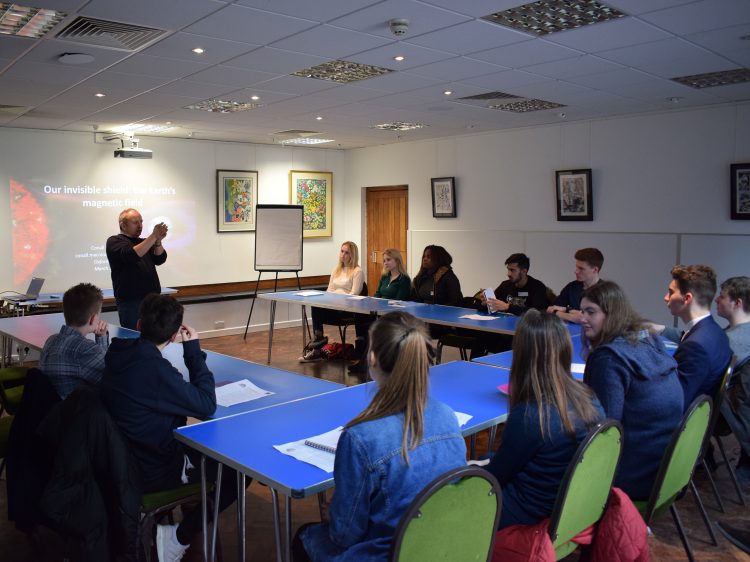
(347, 278)
(389, 452)
(394, 284)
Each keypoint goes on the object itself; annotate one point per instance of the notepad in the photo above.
(326, 441)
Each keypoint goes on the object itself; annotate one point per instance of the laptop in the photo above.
(31, 293)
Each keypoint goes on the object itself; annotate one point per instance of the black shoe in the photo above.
(738, 537)
(317, 343)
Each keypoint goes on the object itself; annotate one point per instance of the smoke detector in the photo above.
(399, 27)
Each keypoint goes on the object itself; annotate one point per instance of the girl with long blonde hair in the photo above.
(398, 444)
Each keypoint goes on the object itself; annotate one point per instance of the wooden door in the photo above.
(387, 223)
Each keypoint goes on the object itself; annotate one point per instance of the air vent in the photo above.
(490, 96)
(110, 34)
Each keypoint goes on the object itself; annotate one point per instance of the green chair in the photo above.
(156, 504)
(585, 488)
(715, 430)
(5, 423)
(453, 518)
(676, 468)
(11, 388)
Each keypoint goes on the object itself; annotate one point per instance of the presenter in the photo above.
(133, 261)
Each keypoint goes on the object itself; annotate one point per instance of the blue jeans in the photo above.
(128, 311)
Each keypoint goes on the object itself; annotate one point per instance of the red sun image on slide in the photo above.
(30, 234)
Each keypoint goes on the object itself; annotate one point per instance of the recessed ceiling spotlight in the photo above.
(399, 58)
(99, 95)
(448, 92)
(199, 50)
(255, 98)
(319, 118)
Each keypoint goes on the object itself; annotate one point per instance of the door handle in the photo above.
(374, 257)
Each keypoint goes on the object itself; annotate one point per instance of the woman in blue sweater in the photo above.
(636, 382)
(385, 456)
(550, 414)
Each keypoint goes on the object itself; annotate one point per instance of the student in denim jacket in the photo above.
(402, 441)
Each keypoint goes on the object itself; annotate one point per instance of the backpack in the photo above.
(336, 350)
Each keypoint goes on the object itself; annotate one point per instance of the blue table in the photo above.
(334, 301)
(499, 323)
(470, 388)
(505, 359)
(56, 298)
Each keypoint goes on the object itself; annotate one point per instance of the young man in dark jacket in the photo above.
(148, 398)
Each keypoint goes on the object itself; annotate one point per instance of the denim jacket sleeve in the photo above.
(350, 507)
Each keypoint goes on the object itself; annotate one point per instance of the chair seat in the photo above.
(10, 376)
(156, 500)
(5, 423)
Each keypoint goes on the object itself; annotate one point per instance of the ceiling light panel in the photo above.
(221, 106)
(713, 79)
(305, 141)
(24, 21)
(526, 105)
(342, 71)
(399, 126)
(551, 16)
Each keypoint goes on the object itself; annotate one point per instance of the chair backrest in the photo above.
(720, 393)
(363, 292)
(585, 487)
(680, 457)
(453, 518)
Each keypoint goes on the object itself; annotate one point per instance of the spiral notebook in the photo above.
(325, 441)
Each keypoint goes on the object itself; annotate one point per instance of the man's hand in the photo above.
(101, 328)
(188, 333)
(160, 231)
(496, 305)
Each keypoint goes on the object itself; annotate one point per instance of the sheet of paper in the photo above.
(462, 418)
(310, 293)
(357, 297)
(577, 368)
(239, 392)
(297, 449)
(478, 317)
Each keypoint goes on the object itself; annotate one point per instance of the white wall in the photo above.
(661, 196)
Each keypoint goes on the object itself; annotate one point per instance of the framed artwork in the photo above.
(237, 196)
(573, 193)
(314, 191)
(443, 197)
(740, 191)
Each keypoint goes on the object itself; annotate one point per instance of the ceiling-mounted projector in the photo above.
(133, 152)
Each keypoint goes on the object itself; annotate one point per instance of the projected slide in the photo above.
(59, 230)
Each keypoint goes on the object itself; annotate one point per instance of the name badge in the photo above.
(524, 294)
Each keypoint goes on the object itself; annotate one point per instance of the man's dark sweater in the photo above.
(148, 398)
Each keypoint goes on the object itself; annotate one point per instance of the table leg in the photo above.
(241, 513)
(473, 447)
(276, 523)
(204, 507)
(288, 551)
(270, 330)
(217, 493)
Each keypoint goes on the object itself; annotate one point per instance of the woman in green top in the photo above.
(395, 285)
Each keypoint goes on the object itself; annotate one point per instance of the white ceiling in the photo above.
(252, 46)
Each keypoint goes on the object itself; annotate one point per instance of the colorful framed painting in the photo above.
(237, 196)
(314, 191)
(740, 196)
(573, 193)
